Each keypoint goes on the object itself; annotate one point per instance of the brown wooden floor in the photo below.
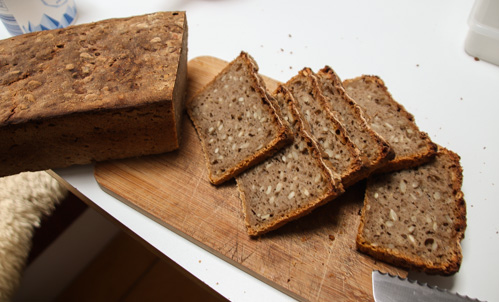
(127, 271)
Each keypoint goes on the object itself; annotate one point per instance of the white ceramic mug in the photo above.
(24, 16)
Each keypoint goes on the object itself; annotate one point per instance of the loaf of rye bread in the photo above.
(238, 122)
(416, 218)
(391, 121)
(105, 90)
(374, 150)
(326, 130)
(291, 183)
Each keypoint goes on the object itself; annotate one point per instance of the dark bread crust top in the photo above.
(114, 63)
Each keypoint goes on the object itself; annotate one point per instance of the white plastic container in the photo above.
(483, 37)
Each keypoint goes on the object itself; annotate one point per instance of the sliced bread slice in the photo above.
(374, 150)
(391, 120)
(291, 183)
(343, 155)
(416, 218)
(237, 122)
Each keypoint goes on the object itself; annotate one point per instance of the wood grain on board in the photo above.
(313, 258)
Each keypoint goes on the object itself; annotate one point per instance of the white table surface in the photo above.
(417, 47)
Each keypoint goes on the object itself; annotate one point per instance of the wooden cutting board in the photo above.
(313, 258)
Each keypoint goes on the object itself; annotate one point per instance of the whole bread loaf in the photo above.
(238, 122)
(416, 218)
(105, 90)
(392, 122)
(291, 183)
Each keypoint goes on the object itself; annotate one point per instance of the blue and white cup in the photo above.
(25, 16)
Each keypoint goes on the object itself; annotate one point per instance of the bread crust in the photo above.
(399, 162)
(105, 90)
(282, 138)
(334, 185)
(418, 263)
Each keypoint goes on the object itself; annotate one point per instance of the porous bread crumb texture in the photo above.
(236, 121)
(325, 129)
(391, 121)
(287, 185)
(282, 185)
(373, 149)
(416, 218)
